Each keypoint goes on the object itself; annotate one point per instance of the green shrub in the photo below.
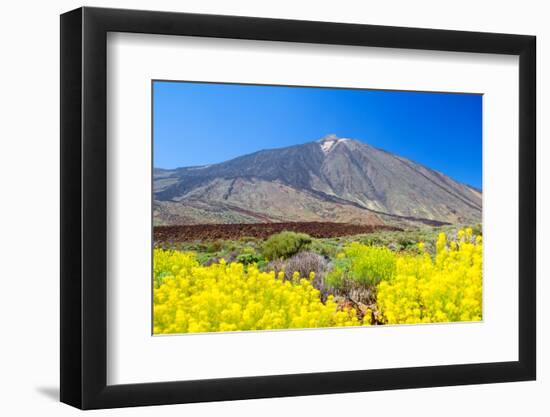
(214, 247)
(373, 241)
(406, 243)
(248, 256)
(361, 264)
(324, 248)
(477, 230)
(204, 258)
(284, 245)
(370, 264)
(338, 276)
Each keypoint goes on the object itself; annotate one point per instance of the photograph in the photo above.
(279, 207)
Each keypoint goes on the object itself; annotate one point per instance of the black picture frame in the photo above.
(84, 207)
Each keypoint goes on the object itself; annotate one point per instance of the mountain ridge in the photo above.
(331, 179)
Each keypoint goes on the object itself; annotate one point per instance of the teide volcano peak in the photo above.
(332, 179)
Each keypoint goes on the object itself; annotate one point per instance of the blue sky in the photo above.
(200, 123)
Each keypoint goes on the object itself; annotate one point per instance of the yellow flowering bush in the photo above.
(396, 288)
(191, 298)
(362, 264)
(443, 289)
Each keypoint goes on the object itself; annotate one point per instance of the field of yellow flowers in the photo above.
(364, 284)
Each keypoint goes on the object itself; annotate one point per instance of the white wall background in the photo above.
(29, 237)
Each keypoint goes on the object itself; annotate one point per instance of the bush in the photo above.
(477, 230)
(214, 247)
(444, 289)
(365, 265)
(284, 245)
(324, 248)
(338, 277)
(304, 263)
(248, 256)
(373, 241)
(406, 243)
(190, 298)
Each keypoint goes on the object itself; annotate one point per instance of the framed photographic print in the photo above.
(258, 207)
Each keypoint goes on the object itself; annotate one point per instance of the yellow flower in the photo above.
(447, 288)
(229, 297)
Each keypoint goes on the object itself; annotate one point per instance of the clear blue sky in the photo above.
(198, 123)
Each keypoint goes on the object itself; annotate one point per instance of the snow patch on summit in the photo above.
(325, 146)
(330, 142)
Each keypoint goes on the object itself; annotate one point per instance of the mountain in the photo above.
(333, 179)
